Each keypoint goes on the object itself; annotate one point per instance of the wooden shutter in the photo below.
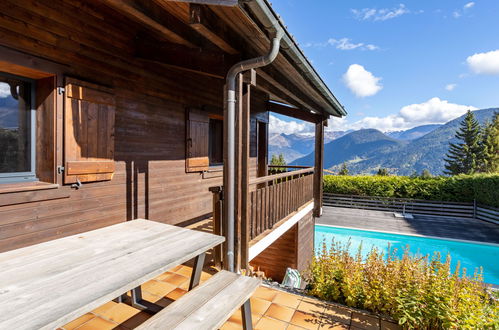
(89, 112)
(197, 141)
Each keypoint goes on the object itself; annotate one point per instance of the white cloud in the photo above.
(469, 5)
(433, 111)
(450, 87)
(277, 125)
(342, 44)
(383, 14)
(361, 82)
(4, 90)
(456, 14)
(484, 63)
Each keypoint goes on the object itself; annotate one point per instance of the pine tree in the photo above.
(490, 146)
(383, 172)
(464, 157)
(278, 161)
(343, 169)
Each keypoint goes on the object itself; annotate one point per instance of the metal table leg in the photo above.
(197, 270)
(246, 312)
(142, 304)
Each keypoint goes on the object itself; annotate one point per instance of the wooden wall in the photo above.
(86, 40)
(293, 249)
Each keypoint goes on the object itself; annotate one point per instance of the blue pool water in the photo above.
(471, 255)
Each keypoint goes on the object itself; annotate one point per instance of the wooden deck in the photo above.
(448, 227)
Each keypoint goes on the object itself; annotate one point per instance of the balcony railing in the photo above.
(274, 197)
(270, 200)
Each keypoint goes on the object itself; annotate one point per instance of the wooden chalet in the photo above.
(113, 110)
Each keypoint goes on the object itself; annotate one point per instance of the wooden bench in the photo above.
(209, 305)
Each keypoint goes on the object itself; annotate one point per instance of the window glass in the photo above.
(215, 148)
(16, 140)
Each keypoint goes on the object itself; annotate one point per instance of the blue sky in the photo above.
(395, 65)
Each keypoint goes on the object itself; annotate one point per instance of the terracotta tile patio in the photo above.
(272, 309)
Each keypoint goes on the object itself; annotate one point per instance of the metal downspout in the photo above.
(231, 109)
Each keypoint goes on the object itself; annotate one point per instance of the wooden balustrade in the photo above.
(276, 196)
(270, 199)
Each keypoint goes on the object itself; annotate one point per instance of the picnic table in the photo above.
(47, 285)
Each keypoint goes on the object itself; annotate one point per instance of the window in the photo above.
(17, 129)
(215, 147)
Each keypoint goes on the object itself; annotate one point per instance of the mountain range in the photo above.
(366, 150)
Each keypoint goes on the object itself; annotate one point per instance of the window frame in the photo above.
(30, 176)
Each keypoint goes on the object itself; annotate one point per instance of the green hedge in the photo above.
(461, 188)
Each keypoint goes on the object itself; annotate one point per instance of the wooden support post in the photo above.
(319, 164)
(238, 176)
(219, 250)
(245, 200)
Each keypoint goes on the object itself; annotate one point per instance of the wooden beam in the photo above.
(297, 113)
(130, 9)
(285, 92)
(230, 3)
(318, 168)
(184, 58)
(209, 26)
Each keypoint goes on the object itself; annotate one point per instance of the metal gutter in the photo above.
(262, 10)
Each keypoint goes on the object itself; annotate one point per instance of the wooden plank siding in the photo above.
(93, 43)
(293, 249)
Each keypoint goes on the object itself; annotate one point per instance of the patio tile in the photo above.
(305, 320)
(175, 279)
(120, 313)
(163, 276)
(79, 321)
(333, 326)
(185, 271)
(363, 321)
(176, 268)
(334, 313)
(287, 299)
(267, 323)
(280, 312)
(231, 326)
(265, 293)
(294, 327)
(237, 318)
(97, 323)
(158, 288)
(136, 320)
(259, 306)
(311, 306)
(103, 308)
(176, 294)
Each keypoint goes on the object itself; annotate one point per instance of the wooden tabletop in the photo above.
(47, 285)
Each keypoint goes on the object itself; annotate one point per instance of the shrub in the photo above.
(418, 292)
(460, 188)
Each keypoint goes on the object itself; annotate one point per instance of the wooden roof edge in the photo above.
(262, 10)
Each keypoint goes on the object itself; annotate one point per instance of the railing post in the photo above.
(245, 154)
(219, 251)
(474, 208)
(318, 165)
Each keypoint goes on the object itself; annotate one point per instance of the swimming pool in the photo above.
(471, 255)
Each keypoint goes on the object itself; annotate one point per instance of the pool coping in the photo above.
(410, 234)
